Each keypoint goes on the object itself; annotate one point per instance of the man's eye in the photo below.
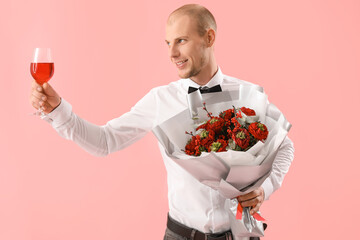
(181, 40)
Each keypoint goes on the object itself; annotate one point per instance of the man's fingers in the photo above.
(253, 199)
(34, 99)
(43, 105)
(257, 192)
(44, 96)
(39, 95)
(255, 209)
(35, 105)
(36, 102)
(251, 202)
(49, 90)
(46, 107)
(249, 195)
(34, 85)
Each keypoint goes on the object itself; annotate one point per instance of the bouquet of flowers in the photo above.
(231, 173)
(234, 129)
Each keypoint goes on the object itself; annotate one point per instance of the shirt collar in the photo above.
(215, 80)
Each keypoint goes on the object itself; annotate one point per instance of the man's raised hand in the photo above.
(44, 97)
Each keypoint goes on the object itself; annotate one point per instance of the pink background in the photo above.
(109, 53)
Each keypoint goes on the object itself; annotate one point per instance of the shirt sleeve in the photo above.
(115, 135)
(281, 165)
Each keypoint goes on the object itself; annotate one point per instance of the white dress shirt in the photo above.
(190, 202)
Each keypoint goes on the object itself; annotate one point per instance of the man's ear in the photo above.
(210, 37)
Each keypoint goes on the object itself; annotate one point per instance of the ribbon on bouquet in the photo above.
(255, 215)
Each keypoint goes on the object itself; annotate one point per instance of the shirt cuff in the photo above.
(59, 115)
(268, 188)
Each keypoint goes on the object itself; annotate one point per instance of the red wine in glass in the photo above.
(42, 72)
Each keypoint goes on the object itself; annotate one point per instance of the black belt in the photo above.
(191, 233)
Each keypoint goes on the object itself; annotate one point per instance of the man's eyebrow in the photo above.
(181, 37)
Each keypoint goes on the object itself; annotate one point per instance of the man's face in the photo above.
(187, 49)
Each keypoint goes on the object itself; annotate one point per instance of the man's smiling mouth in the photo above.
(181, 63)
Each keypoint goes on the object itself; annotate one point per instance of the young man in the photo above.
(195, 209)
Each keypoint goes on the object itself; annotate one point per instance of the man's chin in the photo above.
(184, 75)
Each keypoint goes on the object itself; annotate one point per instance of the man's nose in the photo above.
(173, 52)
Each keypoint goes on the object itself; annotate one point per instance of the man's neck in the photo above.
(206, 74)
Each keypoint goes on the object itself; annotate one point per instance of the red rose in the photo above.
(248, 111)
(227, 114)
(218, 146)
(258, 130)
(207, 138)
(241, 138)
(236, 123)
(216, 124)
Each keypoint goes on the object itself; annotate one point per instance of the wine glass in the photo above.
(42, 69)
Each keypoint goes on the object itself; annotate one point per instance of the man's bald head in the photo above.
(203, 17)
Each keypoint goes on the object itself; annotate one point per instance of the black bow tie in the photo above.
(206, 89)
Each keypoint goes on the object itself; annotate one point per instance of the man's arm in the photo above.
(100, 140)
(280, 167)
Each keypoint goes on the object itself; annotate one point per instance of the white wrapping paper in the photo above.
(232, 173)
